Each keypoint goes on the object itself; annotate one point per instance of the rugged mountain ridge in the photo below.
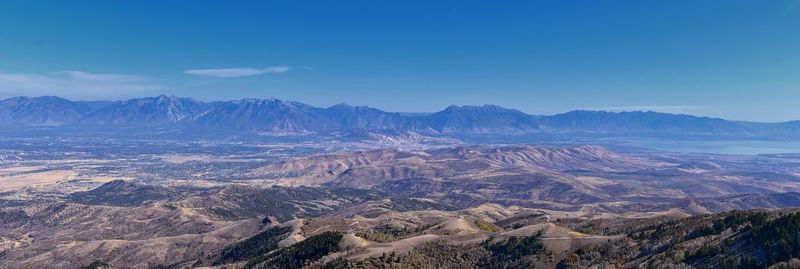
(281, 117)
(45, 110)
(149, 111)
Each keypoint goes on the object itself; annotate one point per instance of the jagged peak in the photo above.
(478, 108)
(36, 98)
(267, 101)
(341, 105)
(347, 107)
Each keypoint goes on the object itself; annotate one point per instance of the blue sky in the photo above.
(731, 59)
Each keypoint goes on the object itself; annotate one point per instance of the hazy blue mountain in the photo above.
(272, 116)
(148, 111)
(642, 123)
(791, 127)
(281, 117)
(367, 118)
(480, 119)
(45, 110)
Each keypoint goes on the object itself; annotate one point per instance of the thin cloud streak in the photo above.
(76, 84)
(236, 72)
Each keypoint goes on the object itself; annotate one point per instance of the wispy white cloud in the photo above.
(236, 72)
(655, 108)
(76, 84)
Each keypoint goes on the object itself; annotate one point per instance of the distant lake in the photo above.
(685, 145)
(741, 147)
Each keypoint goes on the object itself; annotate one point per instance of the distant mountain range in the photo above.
(281, 117)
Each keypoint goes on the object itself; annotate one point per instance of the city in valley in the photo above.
(177, 194)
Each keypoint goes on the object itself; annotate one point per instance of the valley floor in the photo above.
(292, 205)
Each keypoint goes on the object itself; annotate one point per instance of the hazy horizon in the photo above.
(644, 109)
